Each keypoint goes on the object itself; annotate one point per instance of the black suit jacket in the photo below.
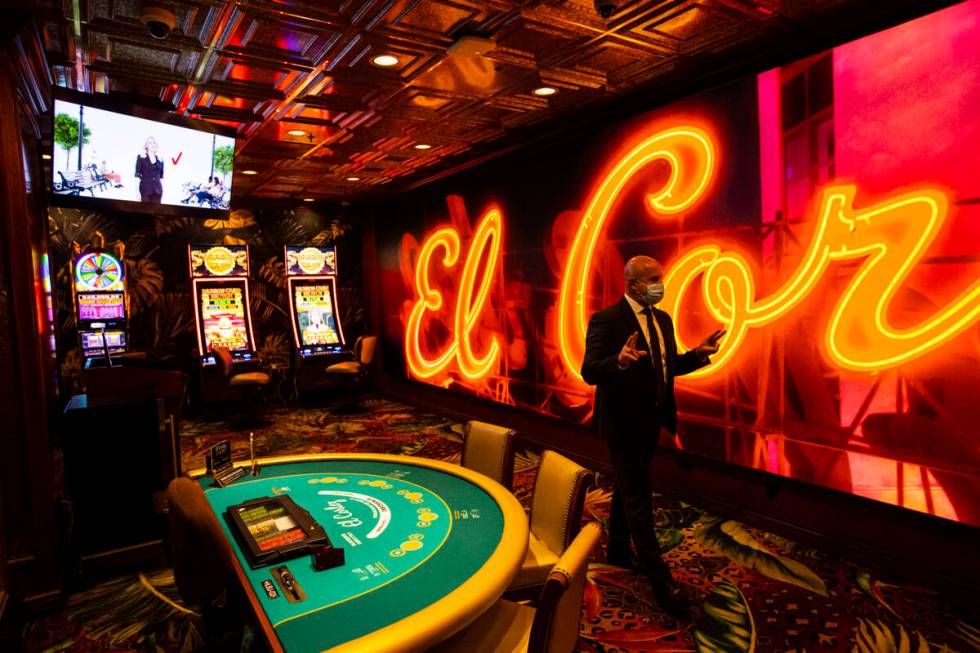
(625, 400)
(149, 175)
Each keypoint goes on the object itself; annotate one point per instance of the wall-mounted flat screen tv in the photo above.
(129, 158)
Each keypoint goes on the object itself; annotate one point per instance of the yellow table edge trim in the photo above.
(429, 626)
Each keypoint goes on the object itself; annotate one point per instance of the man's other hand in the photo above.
(710, 344)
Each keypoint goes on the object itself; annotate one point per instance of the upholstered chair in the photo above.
(556, 512)
(552, 627)
(250, 383)
(489, 449)
(356, 370)
(201, 554)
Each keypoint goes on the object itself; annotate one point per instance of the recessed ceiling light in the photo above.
(545, 91)
(353, 179)
(423, 146)
(385, 60)
(250, 172)
(307, 199)
(46, 157)
(296, 132)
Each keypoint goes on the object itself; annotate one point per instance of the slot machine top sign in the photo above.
(219, 261)
(98, 272)
(307, 261)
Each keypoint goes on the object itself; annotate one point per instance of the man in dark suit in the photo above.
(631, 356)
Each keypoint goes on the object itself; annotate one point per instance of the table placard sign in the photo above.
(223, 470)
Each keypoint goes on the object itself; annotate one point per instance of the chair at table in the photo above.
(556, 512)
(250, 383)
(489, 449)
(552, 627)
(356, 370)
(201, 555)
(201, 558)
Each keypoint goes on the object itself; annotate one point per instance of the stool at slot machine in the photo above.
(355, 371)
(250, 383)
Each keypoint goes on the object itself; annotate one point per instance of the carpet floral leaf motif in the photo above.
(873, 588)
(726, 625)
(731, 539)
(876, 637)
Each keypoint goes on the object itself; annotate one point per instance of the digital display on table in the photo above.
(315, 314)
(223, 317)
(305, 261)
(219, 261)
(102, 306)
(274, 528)
(270, 526)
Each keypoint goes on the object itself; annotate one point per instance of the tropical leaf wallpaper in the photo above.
(161, 320)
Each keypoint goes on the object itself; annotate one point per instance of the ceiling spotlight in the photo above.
(423, 146)
(353, 179)
(385, 60)
(46, 157)
(307, 199)
(545, 91)
(250, 172)
(296, 132)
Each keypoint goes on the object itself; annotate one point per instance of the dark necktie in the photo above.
(656, 358)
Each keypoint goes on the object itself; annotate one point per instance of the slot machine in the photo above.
(219, 280)
(101, 304)
(311, 282)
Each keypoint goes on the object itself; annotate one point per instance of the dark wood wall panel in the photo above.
(26, 466)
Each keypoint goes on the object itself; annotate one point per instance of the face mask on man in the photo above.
(652, 293)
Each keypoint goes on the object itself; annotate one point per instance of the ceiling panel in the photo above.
(269, 67)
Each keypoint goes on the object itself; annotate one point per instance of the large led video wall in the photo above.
(826, 213)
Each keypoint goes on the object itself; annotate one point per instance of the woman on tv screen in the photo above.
(149, 170)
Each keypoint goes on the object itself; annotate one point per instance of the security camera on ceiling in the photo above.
(605, 8)
(159, 20)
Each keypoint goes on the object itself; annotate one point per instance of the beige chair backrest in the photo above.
(559, 495)
(489, 449)
(556, 622)
(224, 360)
(366, 354)
(201, 554)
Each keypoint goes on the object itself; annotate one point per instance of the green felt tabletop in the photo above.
(411, 536)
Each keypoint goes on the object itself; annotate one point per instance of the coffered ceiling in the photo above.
(271, 67)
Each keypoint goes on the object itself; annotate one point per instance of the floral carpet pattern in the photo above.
(757, 591)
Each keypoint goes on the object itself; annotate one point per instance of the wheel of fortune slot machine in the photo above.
(99, 283)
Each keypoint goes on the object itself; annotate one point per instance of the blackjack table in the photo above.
(428, 546)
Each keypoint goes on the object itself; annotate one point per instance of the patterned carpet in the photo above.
(757, 591)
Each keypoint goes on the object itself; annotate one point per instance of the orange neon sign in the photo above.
(691, 156)
(891, 237)
(487, 238)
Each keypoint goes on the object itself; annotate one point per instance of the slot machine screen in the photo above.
(92, 341)
(101, 306)
(223, 317)
(315, 318)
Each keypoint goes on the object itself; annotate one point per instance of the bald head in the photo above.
(638, 273)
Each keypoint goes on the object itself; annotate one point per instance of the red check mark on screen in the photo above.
(179, 154)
